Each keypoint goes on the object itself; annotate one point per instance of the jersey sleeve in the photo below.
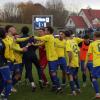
(22, 39)
(78, 40)
(43, 38)
(90, 50)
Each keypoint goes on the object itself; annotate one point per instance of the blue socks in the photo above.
(96, 86)
(55, 81)
(72, 86)
(8, 89)
(77, 83)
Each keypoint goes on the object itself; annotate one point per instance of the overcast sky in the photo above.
(69, 4)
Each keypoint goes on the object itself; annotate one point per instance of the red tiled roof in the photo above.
(78, 21)
(91, 14)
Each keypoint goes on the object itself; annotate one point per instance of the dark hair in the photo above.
(67, 33)
(50, 29)
(2, 33)
(86, 36)
(61, 31)
(7, 27)
(25, 30)
(43, 29)
(97, 34)
(71, 32)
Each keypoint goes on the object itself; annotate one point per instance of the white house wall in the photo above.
(85, 19)
(70, 25)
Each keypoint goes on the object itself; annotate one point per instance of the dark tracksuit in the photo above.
(30, 57)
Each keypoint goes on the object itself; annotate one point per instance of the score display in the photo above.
(41, 21)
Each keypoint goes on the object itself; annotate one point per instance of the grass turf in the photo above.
(25, 93)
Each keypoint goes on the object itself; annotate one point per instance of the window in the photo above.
(70, 21)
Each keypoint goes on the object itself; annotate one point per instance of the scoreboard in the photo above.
(41, 21)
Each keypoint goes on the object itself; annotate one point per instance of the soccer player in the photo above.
(18, 52)
(42, 57)
(51, 56)
(11, 44)
(4, 68)
(94, 49)
(29, 58)
(72, 50)
(83, 52)
(60, 45)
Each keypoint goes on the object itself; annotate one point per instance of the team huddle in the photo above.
(64, 50)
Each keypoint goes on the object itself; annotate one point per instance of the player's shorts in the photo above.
(17, 68)
(6, 73)
(96, 72)
(89, 65)
(73, 71)
(63, 65)
(53, 65)
(11, 66)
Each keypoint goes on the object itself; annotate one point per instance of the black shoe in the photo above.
(33, 89)
(59, 90)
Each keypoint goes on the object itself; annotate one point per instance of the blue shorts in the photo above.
(96, 72)
(89, 66)
(53, 65)
(73, 71)
(6, 73)
(63, 64)
(17, 68)
(11, 66)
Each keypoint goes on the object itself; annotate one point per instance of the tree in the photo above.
(56, 8)
(28, 9)
(10, 12)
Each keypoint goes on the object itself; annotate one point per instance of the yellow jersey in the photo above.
(77, 40)
(9, 55)
(49, 46)
(60, 47)
(17, 52)
(94, 49)
(72, 46)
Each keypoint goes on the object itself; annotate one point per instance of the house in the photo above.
(77, 23)
(87, 18)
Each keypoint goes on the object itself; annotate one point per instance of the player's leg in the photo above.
(83, 73)
(45, 81)
(37, 65)
(90, 68)
(1, 83)
(95, 75)
(6, 74)
(28, 68)
(72, 84)
(76, 80)
(63, 78)
(43, 64)
(63, 67)
(17, 73)
(52, 70)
